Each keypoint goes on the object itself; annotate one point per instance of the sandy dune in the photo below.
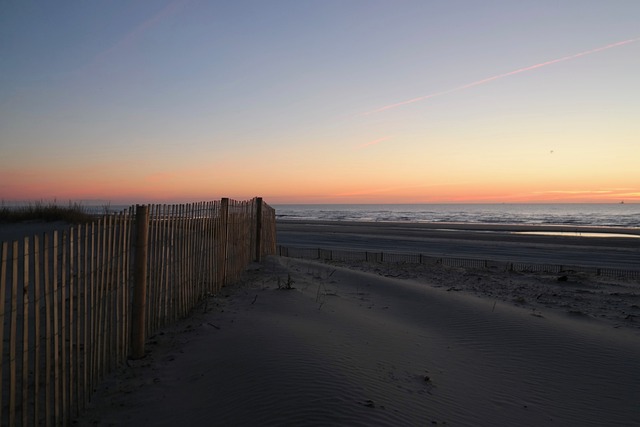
(349, 347)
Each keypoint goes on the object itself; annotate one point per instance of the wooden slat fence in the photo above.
(66, 296)
(416, 258)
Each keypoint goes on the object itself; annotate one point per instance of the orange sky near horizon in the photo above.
(167, 188)
(321, 102)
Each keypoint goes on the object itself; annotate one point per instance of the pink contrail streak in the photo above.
(377, 141)
(499, 76)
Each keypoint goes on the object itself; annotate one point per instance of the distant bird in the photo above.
(551, 152)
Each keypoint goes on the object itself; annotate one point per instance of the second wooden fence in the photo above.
(418, 258)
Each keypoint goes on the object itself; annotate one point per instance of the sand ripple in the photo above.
(353, 348)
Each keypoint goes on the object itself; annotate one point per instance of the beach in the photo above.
(596, 247)
(301, 342)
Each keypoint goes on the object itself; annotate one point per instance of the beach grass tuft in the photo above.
(45, 211)
(286, 285)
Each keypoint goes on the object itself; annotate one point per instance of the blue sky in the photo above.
(167, 100)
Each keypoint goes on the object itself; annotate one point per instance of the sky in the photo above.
(350, 101)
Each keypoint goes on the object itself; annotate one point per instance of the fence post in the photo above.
(139, 282)
(258, 229)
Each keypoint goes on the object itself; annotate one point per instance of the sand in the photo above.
(374, 344)
(499, 242)
(370, 344)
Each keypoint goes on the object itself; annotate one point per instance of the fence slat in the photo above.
(3, 288)
(101, 260)
(117, 288)
(111, 287)
(36, 332)
(56, 331)
(122, 273)
(162, 265)
(47, 325)
(154, 273)
(92, 307)
(13, 339)
(71, 333)
(25, 331)
(64, 328)
(84, 386)
(181, 264)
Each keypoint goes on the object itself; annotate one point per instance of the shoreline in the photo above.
(14, 231)
(503, 243)
(463, 226)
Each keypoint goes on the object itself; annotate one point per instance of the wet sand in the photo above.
(477, 241)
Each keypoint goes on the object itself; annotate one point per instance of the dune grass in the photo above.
(45, 211)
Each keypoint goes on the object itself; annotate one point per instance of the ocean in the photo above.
(584, 214)
(596, 215)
